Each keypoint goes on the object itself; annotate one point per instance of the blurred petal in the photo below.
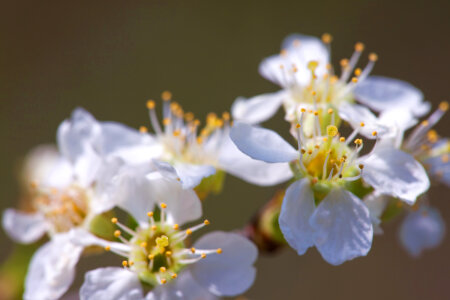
(52, 269)
(184, 287)
(112, 284)
(393, 172)
(422, 229)
(24, 227)
(343, 229)
(191, 175)
(300, 50)
(297, 208)
(233, 161)
(383, 93)
(262, 144)
(356, 114)
(257, 109)
(230, 273)
(376, 205)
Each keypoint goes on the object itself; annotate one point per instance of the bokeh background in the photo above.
(111, 56)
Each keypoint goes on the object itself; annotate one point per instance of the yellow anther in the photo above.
(313, 64)
(313, 93)
(354, 79)
(332, 130)
(199, 140)
(358, 141)
(144, 244)
(162, 241)
(443, 106)
(294, 69)
(33, 184)
(330, 111)
(358, 72)
(373, 57)
(309, 151)
(151, 256)
(166, 95)
(344, 62)
(342, 139)
(314, 181)
(188, 232)
(163, 281)
(424, 123)
(316, 113)
(176, 226)
(206, 222)
(281, 67)
(163, 205)
(219, 251)
(189, 116)
(361, 166)
(143, 129)
(226, 116)
(168, 253)
(162, 269)
(124, 263)
(327, 38)
(174, 275)
(150, 214)
(203, 255)
(114, 220)
(117, 233)
(193, 250)
(297, 126)
(283, 52)
(325, 139)
(362, 124)
(154, 227)
(317, 146)
(176, 133)
(445, 158)
(374, 133)
(108, 248)
(302, 110)
(359, 47)
(131, 263)
(150, 104)
(166, 121)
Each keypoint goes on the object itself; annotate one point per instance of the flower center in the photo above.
(63, 208)
(157, 250)
(181, 135)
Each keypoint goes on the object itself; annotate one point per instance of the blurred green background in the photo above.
(111, 56)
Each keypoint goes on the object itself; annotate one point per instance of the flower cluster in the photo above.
(107, 187)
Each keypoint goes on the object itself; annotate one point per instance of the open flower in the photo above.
(65, 194)
(179, 143)
(303, 71)
(156, 253)
(323, 207)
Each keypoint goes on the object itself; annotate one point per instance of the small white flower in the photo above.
(156, 253)
(422, 229)
(303, 71)
(180, 143)
(322, 208)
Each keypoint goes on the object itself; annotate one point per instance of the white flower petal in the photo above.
(376, 205)
(422, 229)
(52, 269)
(257, 109)
(39, 163)
(233, 161)
(230, 273)
(112, 284)
(356, 114)
(184, 287)
(396, 173)
(75, 135)
(262, 144)
(191, 175)
(343, 228)
(300, 50)
(297, 208)
(382, 93)
(23, 227)
(139, 196)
